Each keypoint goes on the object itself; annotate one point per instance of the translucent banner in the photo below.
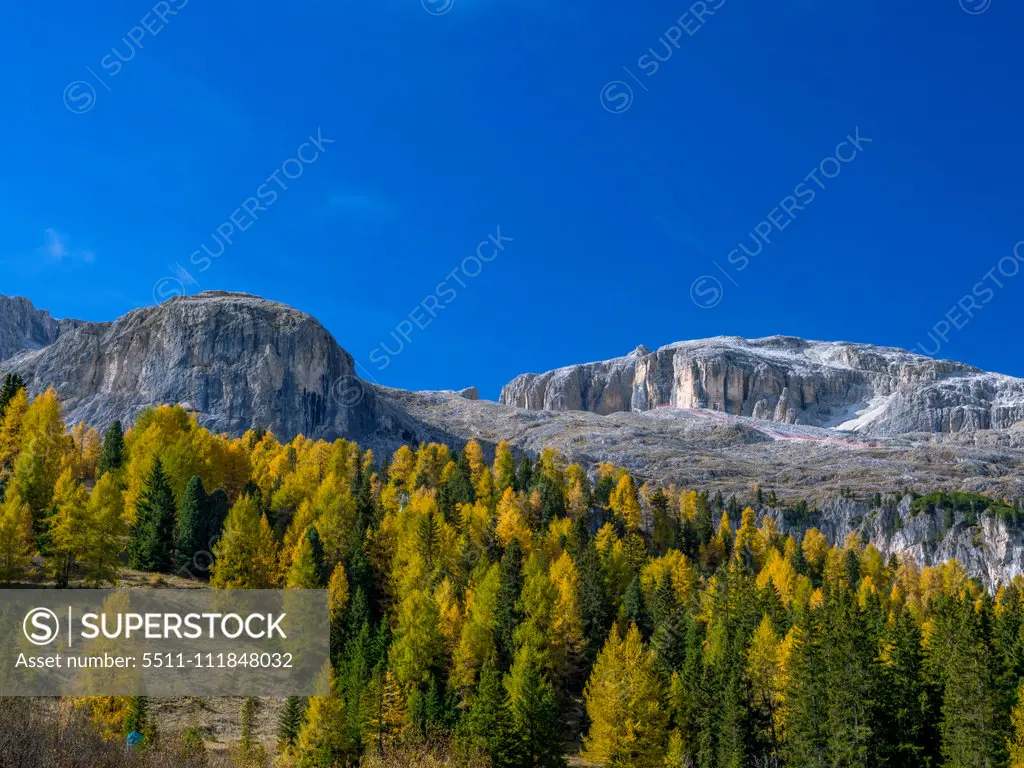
(164, 642)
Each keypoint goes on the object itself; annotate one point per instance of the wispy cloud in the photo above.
(56, 249)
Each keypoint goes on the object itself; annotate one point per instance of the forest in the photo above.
(490, 608)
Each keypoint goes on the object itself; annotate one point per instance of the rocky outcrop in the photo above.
(22, 326)
(850, 387)
(237, 361)
(987, 549)
(601, 388)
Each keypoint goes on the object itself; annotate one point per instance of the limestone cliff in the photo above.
(22, 326)
(853, 387)
(236, 360)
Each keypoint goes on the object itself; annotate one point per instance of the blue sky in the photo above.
(620, 184)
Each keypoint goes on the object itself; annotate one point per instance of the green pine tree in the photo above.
(906, 732)
(852, 681)
(596, 611)
(806, 739)
(508, 612)
(193, 522)
(524, 477)
(12, 384)
(634, 608)
(534, 714)
(152, 541)
(489, 722)
(457, 489)
(113, 454)
(290, 721)
(970, 732)
(666, 528)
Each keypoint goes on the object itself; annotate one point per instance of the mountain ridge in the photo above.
(842, 385)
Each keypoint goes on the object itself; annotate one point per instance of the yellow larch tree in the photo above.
(512, 520)
(504, 468)
(69, 527)
(625, 503)
(16, 539)
(43, 446)
(624, 702)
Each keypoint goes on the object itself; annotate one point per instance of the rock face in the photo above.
(22, 326)
(237, 360)
(850, 387)
(987, 550)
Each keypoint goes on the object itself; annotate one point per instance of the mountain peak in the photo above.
(837, 385)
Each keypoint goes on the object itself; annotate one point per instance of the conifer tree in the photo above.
(113, 453)
(320, 742)
(108, 529)
(624, 703)
(309, 567)
(504, 469)
(13, 384)
(218, 506)
(250, 748)
(490, 723)
(534, 714)
(625, 503)
(596, 612)
(806, 699)
(355, 674)
(416, 652)
(666, 529)
(138, 720)
(904, 728)
(290, 721)
(1015, 744)
(634, 608)
(43, 445)
(16, 540)
(193, 521)
(969, 730)
(455, 490)
(851, 682)
(508, 610)
(68, 528)
(524, 477)
(246, 554)
(152, 542)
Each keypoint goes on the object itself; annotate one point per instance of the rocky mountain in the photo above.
(810, 420)
(237, 360)
(22, 326)
(850, 387)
